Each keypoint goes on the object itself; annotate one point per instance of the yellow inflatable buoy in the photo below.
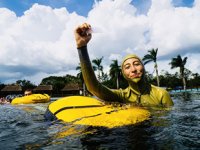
(90, 111)
(33, 98)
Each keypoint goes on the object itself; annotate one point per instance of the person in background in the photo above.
(139, 91)
(8, 99)
(3, 100)
(28, 92)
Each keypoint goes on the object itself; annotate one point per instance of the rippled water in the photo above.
(23, 127)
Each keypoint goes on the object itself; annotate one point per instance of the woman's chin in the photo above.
(135, 80)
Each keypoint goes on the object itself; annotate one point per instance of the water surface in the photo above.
(24, 127)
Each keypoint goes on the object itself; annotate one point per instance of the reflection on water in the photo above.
(23, 127)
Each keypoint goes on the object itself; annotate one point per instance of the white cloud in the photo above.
(41, 42)
(41, 39)
(173, 28)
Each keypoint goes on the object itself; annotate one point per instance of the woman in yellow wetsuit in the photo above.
(139, 90)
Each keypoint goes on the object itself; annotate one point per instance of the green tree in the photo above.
(80, 76)
(57, 83)
(115, 71)
(152, 57)
(71, 79)
(178, 62)
(195, 81)
(187, 74)
(25, 84)
(170, 81)
(104, 77)
(98, 67)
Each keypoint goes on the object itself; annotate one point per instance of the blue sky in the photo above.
(82, 7)
(19, 6)
(37, 38)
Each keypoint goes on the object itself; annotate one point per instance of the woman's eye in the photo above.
(127, 67)
(136, 64)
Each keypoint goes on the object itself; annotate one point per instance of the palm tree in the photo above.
(97, 66)
(152, 56)
(179, 62)
(80, 75)
(196, 79)
(115, 71)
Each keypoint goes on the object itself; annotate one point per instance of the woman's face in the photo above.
(133, 68)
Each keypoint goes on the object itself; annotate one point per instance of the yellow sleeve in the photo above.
(92, 84)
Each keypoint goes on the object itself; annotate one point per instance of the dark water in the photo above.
(23, 127)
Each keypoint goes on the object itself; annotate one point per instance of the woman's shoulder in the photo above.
(158, 89)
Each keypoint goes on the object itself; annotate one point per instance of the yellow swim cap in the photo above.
(131, 56)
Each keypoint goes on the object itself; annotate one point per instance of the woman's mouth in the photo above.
(135, 76)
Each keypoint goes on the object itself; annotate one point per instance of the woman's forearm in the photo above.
(87, 70)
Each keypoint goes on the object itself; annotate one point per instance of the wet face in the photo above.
(133, 68)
